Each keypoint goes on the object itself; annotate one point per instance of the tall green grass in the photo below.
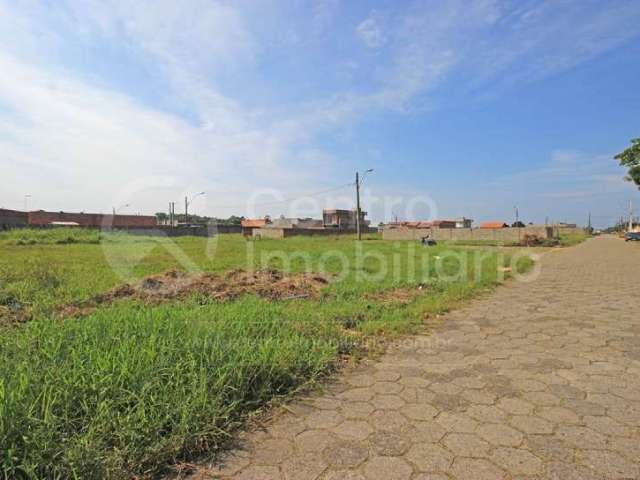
(569, 240)
(66, 236)
(130, 387)
(47, 236)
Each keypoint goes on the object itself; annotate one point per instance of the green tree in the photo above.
(630, 158)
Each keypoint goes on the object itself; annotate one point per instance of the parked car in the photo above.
(632, 236)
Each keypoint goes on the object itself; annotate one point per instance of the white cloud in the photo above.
(568, 166)
(323, 15)
(200, 34)
(566, 186)
(70, 144)
(370, 32)
(534, 41)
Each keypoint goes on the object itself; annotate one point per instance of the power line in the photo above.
(288, 200)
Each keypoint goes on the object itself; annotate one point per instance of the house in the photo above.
(343, 219)
(443, 224)
(493, 225)
(412, 224)
(463, 222)
(283, 222)
(249, 225)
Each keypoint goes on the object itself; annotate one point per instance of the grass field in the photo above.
(564, 240)
(132, 387)
(569, 240)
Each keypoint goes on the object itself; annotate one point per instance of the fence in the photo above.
(505, 235)
(181, 230)
(309, 232)
(12, 219)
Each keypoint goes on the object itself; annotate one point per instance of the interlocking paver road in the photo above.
(538, 380)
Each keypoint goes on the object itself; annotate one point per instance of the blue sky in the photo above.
(461, 108)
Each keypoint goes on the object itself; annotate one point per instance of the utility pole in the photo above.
(358, 210)
(589, 225)
(630, 214)
(116, 210)
(516, 209)
(187, 202)
(358, 233)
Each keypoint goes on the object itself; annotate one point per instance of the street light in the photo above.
(116, 210)
(358, 182)
(188, 202)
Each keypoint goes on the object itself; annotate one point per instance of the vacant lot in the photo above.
(106, 372)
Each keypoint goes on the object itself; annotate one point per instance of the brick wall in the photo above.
(92, 219)
(569, 231)
(507, 235)
(12, 218)
(308, 232)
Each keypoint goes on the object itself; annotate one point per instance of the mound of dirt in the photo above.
(171, 285)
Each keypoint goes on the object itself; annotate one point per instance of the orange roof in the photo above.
(493, 225)
(416, 224)
(425, 224)
(258, 222)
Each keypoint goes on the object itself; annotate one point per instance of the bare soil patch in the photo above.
(171, 285)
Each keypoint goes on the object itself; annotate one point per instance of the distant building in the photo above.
(343, 219)
(443, 224)
(308, 222)
(493, 225)
(249, 225)
(463, 222)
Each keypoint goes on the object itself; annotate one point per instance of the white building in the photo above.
(463, 222)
